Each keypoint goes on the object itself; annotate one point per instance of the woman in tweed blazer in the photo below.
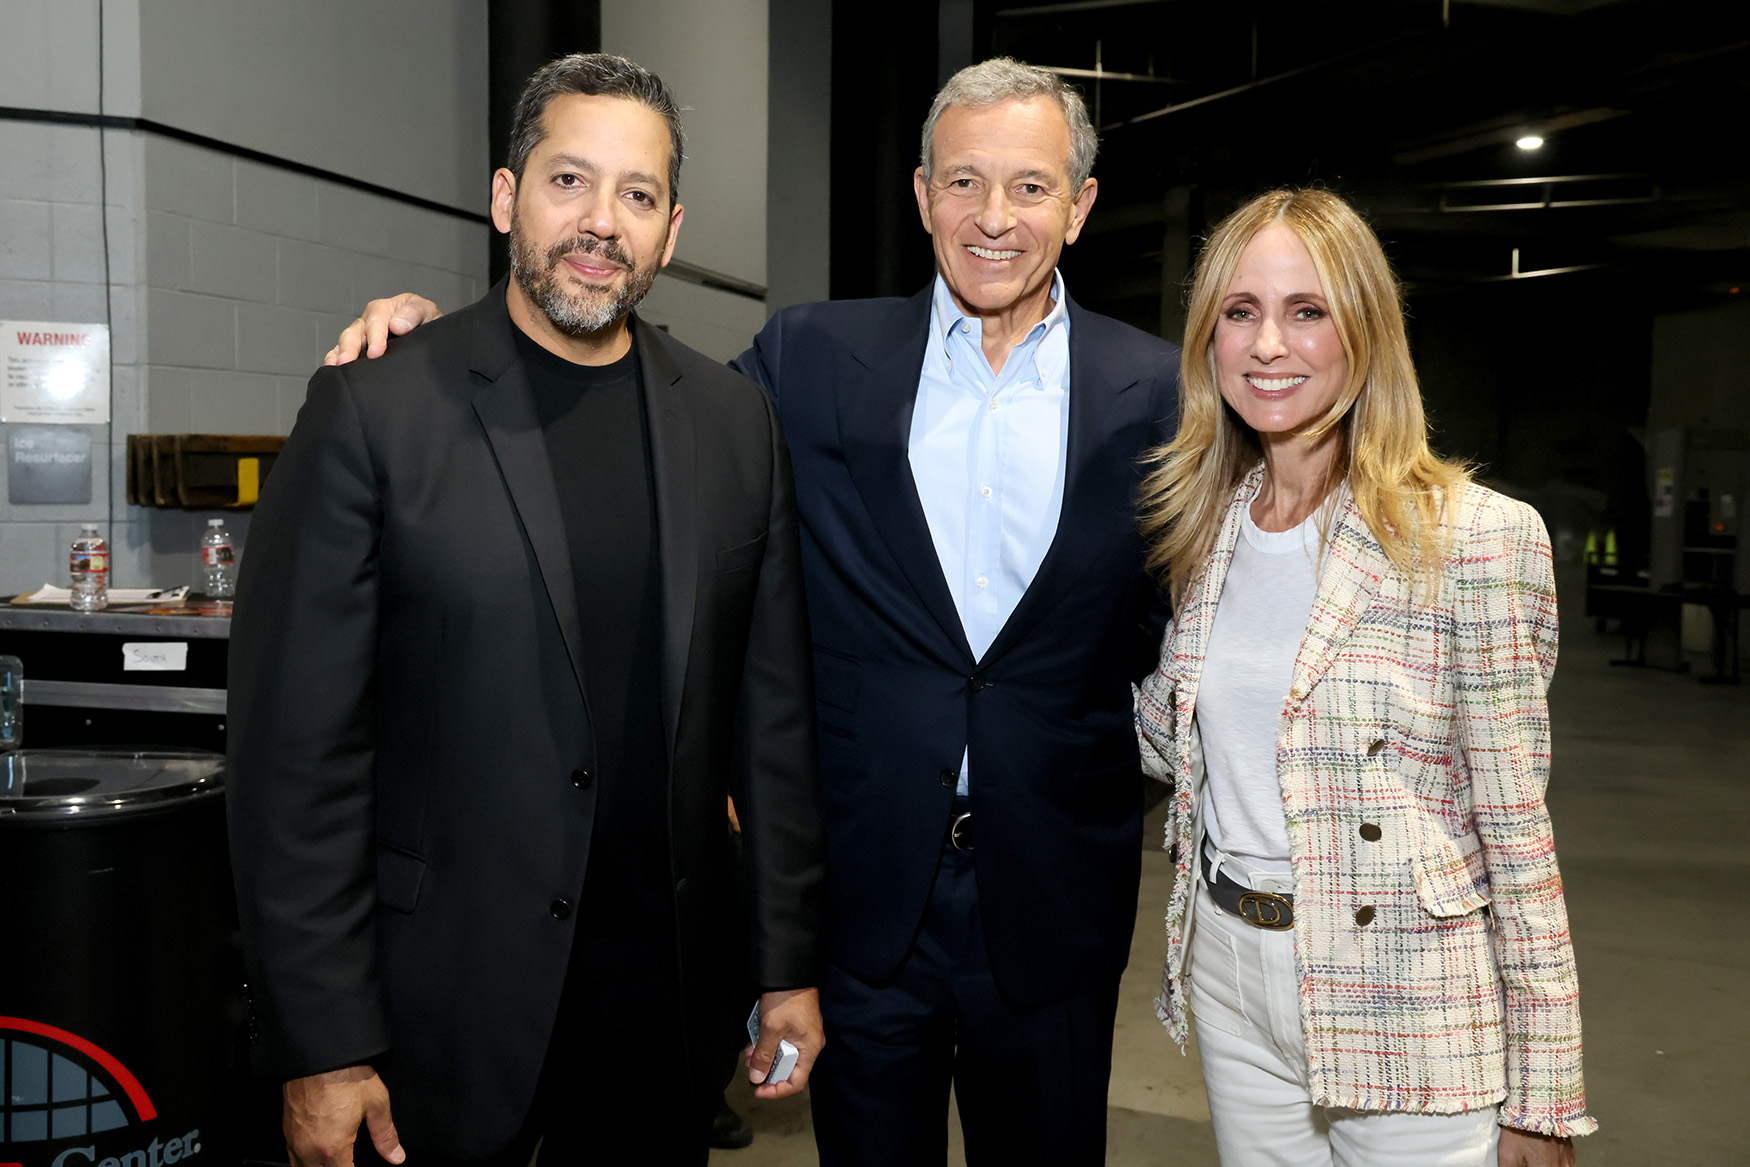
(1427, 968)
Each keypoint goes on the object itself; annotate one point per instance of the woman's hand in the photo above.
(1529, 1149)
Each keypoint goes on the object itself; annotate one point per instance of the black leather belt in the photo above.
(1261, 909)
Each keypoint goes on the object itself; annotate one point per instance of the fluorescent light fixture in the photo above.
(1530, 142)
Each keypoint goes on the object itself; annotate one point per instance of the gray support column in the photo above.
(799, 154)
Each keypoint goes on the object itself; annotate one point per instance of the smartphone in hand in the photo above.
(785, 1062)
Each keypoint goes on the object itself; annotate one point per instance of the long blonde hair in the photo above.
(1401, 486)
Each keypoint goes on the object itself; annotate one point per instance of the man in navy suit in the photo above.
(966, 464)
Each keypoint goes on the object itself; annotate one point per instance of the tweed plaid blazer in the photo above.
(1436, 973)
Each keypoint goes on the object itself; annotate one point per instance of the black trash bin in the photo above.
(119, 975)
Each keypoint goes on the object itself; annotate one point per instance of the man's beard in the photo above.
(576, 311)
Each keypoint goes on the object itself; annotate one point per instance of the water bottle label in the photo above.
(216, 556)
(88, 561)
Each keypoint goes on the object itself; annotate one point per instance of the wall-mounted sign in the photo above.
(48, 464)
(1664, 492)
(54, 374)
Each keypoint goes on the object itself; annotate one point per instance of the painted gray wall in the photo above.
(391, 91)
(227, 278)
(52, 269)
(799, 154)
(712, 54)
(48, 55)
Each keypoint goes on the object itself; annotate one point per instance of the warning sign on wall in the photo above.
(54, 374)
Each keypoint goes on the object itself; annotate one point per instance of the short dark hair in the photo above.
(593, 75)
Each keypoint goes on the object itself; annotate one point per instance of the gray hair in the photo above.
(593, 75)
(1004, 79)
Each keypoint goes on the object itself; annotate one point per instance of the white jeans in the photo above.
(1245, 999)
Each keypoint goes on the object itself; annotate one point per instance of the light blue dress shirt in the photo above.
(988, 452)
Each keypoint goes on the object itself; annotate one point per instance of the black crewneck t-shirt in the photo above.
(598, 442)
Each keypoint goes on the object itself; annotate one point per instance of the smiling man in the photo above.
(968, 459)
(522, 607)
(967, 462)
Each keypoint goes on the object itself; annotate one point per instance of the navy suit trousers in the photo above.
(1031, 1084)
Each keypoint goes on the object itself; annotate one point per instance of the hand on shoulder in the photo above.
(369, 334)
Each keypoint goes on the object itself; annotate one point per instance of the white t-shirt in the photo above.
(1260, 620)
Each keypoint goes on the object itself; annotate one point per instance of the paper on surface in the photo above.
(50, 594)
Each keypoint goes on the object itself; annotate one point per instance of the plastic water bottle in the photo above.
(89, 564)
(218, 562)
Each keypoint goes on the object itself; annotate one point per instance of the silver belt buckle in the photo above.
(960, 834)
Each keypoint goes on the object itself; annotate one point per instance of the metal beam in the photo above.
(1103, 75)
(1192, 103)
(1079, 6)
(1506, 131)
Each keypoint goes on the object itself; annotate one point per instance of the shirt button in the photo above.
(1365, 916)
(561, 909)
(985, 491)
(993, 403)
(1377, 748)
(1370, 832)
(965, 326)
(982, 582)
(581, 778)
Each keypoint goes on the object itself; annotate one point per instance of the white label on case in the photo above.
(155, 658)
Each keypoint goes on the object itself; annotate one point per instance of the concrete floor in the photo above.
(1651, 799)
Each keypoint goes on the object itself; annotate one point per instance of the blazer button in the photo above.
(1365, 916)
(977, 683)
(1370, 832)
(581, 778)
(1374, 750)
(949, 778)
(561, 909)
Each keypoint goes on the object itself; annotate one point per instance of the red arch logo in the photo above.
(124, 1079)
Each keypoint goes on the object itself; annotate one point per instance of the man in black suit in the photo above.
(522, 606)
(967, 461)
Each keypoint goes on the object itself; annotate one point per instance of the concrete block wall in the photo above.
(229, 280)
(252, 271)
(227, 277)
(52, 269)
(717, 72)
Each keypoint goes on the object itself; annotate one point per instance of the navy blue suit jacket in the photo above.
(1046, 714)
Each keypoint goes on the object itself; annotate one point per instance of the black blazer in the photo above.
(408, 715)
(1054, 774)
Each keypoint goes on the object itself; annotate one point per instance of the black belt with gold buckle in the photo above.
(1261, 909)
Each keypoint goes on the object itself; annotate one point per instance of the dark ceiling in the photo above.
(1411, 108)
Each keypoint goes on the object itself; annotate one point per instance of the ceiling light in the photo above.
(1530, 142)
